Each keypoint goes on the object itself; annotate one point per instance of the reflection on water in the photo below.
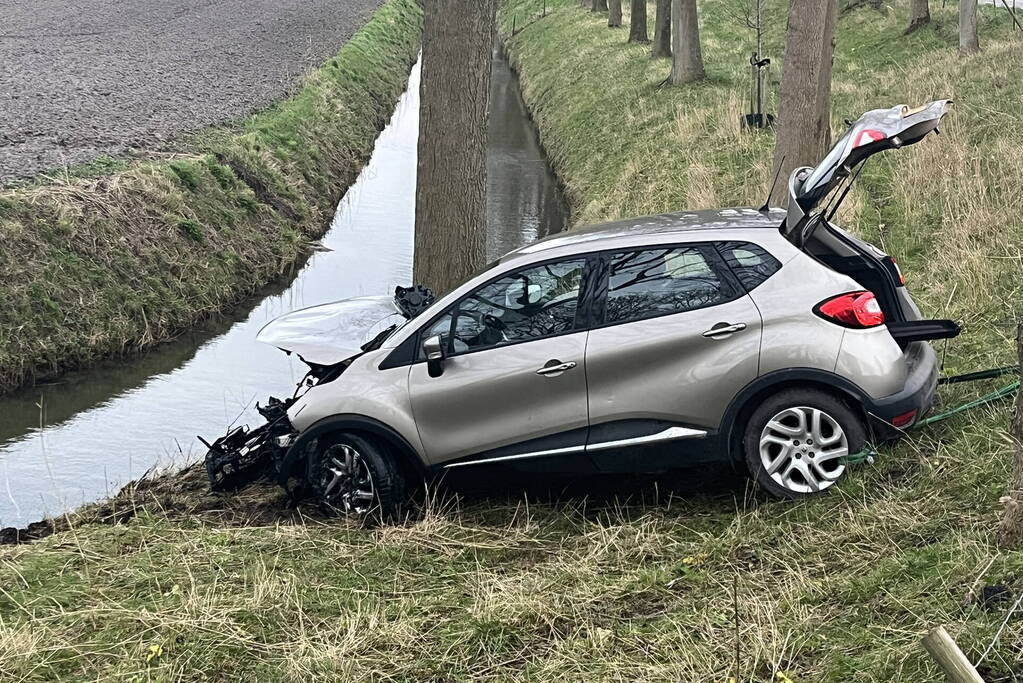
(82, 437)
(523, 199)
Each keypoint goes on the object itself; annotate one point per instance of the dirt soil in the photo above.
(93, 77)
(182, 494)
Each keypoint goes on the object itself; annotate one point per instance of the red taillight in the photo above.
(866, 137)
(854, 309)
(904, 419)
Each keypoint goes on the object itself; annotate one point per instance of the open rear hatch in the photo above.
(807, 223)
(876, 131)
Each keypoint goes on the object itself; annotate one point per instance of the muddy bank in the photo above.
(103, 266)
(93, 78)
(183, 494)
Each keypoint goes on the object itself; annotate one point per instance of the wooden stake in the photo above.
(949, 657)
(735, 609)
(1010, 530)
(1012, 13)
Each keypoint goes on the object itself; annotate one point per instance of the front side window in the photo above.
(656, 282)
(540, 301)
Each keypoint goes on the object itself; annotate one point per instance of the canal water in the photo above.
(82, 437)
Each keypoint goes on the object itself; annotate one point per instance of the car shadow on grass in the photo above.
(499, 485)
(486, 493)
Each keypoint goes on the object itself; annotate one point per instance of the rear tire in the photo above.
(794, 441)
(356, 476)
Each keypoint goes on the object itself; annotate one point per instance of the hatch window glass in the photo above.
(656, 282)
(750, 263)
(529, 304)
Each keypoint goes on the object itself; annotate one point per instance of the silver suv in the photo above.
(770, 338)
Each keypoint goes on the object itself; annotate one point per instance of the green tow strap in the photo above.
(997, 395)
(868, 453)
(982, 374)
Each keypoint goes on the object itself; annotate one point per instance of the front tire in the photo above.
(355, 476)
(795, 441)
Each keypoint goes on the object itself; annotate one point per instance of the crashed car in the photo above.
(769, 338)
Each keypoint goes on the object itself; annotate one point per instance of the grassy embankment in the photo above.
(129, 254)
(839, 588)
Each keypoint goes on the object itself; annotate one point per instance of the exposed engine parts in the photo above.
(242, 456)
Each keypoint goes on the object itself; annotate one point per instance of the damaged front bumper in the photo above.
(243, 455)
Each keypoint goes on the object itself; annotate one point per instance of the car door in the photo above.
(512, 383)
(677, 337)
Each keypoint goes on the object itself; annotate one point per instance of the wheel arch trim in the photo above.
(778, 380)
(350, 422)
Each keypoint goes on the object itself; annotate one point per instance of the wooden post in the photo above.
(949, 657)
(1010, 529)
(1012, 13)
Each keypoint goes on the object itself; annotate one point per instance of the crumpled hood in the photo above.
(330, 333)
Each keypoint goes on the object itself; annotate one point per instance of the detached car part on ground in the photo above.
(748, 335)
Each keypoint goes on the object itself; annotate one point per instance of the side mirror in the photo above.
(433, 347)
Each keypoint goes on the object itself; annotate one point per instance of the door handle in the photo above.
(723, 329)
(555, 367)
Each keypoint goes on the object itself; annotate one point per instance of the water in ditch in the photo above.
(82, 437)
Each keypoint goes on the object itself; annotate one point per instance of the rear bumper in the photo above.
(917, 395)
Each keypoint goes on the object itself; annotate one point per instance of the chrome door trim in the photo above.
(536, 454)
(669, 434)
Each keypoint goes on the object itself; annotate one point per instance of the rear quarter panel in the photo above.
(793, 337)
(873, 360)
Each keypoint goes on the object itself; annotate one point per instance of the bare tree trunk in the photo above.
(662, 30)
(919, 15)
(804, 107)
(451, 217)
(599, 6)
(637, 22)
(687, 59)
(614, 14)
(1010, 531)
(968, 40)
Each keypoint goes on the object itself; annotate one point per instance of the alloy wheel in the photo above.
(801, 449)
(346, 480)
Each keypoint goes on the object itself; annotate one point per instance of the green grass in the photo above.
(642, 587)
(115, 255)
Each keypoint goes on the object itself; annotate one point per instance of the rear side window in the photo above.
(750, 263)
(656, 282)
